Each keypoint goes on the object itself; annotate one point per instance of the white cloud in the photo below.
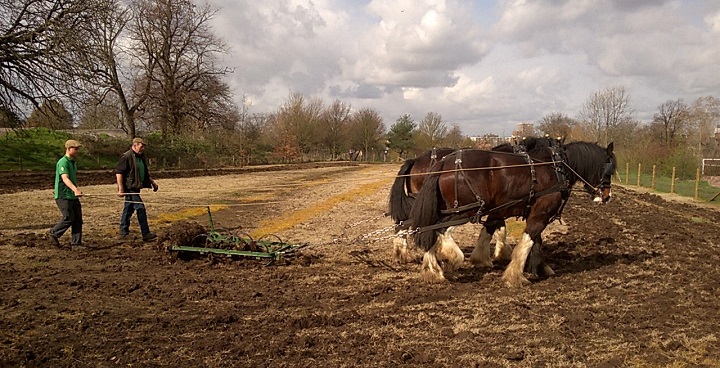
(483, 65)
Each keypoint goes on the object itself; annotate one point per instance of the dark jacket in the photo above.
(129, 170)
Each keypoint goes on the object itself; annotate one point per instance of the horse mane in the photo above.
(530, 144)
(588, 160)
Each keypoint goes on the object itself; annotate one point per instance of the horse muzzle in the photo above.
(602, 196)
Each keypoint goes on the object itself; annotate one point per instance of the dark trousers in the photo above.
(133, 203)
(72, 219)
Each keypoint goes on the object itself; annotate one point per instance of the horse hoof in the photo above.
(519, 281)
(547, 271)
(433, 278)
(403, 257)
(454, 265)
(481, 263)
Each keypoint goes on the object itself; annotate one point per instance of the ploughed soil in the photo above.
(637, 284)
(15, 181)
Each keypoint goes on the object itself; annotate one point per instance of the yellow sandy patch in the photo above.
(185, 214)
(515, 228)
(283, 223)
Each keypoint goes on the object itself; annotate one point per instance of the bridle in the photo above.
(605, 181)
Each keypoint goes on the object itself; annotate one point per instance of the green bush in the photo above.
(32, 149)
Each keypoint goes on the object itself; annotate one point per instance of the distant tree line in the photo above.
(679, 135)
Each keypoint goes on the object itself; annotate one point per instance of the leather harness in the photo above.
(559, 160)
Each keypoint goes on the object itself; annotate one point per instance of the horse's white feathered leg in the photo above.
(480, 256)
(431, 271)
(502, 249)
(400, 245)
(449, 251)
(513, 274)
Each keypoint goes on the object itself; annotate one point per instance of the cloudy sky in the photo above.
(484, 65)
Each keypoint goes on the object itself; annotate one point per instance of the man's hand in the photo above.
(154, 186)
(78, 192)
(120, 193)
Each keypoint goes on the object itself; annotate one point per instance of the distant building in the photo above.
(489, 141)
(524, 130)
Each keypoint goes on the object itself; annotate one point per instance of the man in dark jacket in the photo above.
(132, 174)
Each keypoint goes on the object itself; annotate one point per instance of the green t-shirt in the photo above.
(65, 165)
(141, 168)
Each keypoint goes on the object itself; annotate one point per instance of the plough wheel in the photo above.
(243, 241)
(271, 243)
(201, 240)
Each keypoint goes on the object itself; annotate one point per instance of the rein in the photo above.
(539, 163)
(597, 190)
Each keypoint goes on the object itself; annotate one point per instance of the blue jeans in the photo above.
(133, 203)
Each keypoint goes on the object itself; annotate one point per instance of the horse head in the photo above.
(594, 166)
(603, 193)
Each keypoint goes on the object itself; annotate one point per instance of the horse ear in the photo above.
(610, 147)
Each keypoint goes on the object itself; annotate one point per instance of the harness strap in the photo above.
(533, 181)
(458, 170)
(458, 165)
(563, 186)
(433, 157)
(441, 225)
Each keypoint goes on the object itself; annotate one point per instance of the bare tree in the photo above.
(101, 114)
(300, 120)
(118, 66)
(556, 125)
(213, 105)
(673, 117)
(333, 128)
(40, 44)
(705, 118)
(177, 37)
(9, 119)
(455, 138)
(605, 113)
(431, 131)
(51, 114)
(367, 131)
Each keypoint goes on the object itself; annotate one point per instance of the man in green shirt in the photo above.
(66, 196)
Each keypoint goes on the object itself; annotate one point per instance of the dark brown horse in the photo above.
(407, 184)
(488, 187)
(410, 179)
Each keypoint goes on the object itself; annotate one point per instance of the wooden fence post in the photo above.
(639, 173)
(652, 186)
(697, 184)
(672, 181)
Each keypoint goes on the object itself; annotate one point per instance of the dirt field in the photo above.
(637, 284)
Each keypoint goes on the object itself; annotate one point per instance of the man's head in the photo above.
(72, 148)
(138, 145)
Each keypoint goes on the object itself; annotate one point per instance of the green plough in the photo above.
(238, 243)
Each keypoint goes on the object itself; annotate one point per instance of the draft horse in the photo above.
(410, 179)
(407, 184)
(469, 185)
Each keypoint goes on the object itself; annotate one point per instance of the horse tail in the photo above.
(425, 212)
(401, 203)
